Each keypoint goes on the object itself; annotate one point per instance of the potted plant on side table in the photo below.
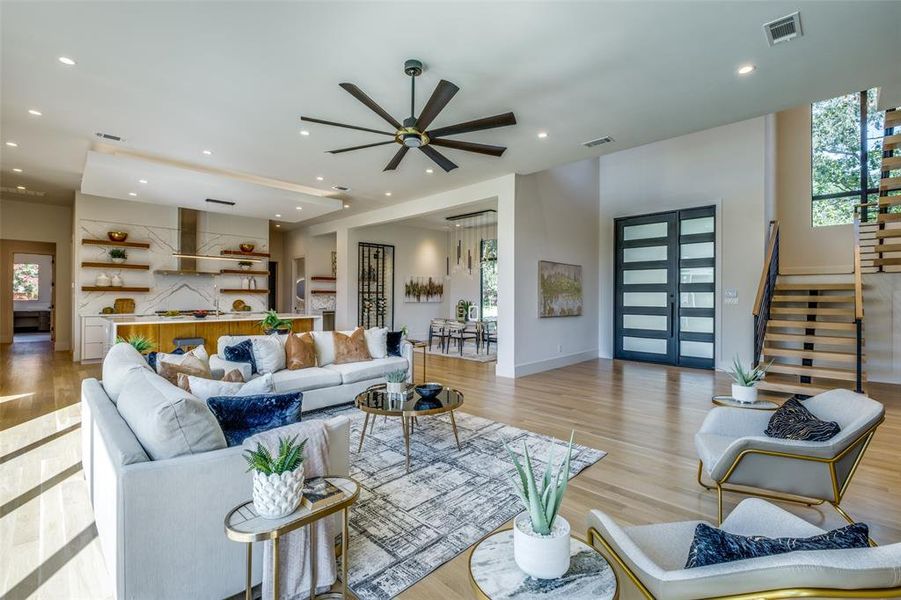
(277, 481)
(744, 381)
(272, 323)
(540, 536)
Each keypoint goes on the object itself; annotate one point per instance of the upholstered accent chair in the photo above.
(734, 450)
(654, 556)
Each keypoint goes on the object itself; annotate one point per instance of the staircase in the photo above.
(879, 222)
(810, 327)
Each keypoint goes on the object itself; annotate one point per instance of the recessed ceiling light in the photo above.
(278, 216)
(132, 193)
(430, 171)
(298, 207)
(387, 193)
(542, 135)
(746, 69)
(304, 132)
(457, 224)
(35, 112)
(277, 225)
(66, 60)
(142, 181)
(347, 206)
(12, 144)
(20, 187)
(208, 152)
(319, 178)
(17, 170)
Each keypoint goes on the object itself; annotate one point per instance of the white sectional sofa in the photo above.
(160, 522)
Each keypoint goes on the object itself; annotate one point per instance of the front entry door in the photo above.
(664, 290)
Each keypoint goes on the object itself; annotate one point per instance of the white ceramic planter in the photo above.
(539, 556)
(276, 496)
(745, 395)
(396, 388)
(118, 261)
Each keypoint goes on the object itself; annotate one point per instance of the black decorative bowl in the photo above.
(429, 390)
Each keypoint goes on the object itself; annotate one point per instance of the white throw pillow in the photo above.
(269, 353)
(167, 420)
(377, 341)
(207, 388)
(176, 359)
(119, 361)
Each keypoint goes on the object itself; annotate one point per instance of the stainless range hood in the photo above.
(187, 247)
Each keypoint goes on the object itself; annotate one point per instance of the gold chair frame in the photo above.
(595, 536)
(838, 491)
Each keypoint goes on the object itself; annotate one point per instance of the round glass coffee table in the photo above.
(493, 573)
(408, 406)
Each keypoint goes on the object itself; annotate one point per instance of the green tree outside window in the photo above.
(26, 281)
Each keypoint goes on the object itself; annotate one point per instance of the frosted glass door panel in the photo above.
(648, 345)
(699, 250)
(697, 275)
(646, 231)
(657, 299)
(695, 226)
(696, 299)
(639, 276)
(696, 324)
(644, 253)
(650, 322)
(696, 349)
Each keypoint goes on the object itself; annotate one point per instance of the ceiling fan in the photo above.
(414, 132)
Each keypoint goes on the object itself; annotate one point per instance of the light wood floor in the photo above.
(643, 415)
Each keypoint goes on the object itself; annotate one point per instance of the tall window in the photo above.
(26, 281)
(846, 142)
(488, 276)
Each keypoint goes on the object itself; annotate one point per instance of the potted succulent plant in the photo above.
(244, 265)
(540, 536)
(272, 323)
(118, 255)
(396, 382)
(744, 381)
(138, 342)
(278, 480)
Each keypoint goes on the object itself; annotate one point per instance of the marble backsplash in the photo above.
(167, 292)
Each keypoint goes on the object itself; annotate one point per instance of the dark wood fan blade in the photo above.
(396, 160)
(441, 160)
(359, 147)
(477, 125)
(362, 97)
(333, 124)
(443, 93)
(469, 146)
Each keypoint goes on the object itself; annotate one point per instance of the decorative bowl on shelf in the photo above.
(117, 236)
(247, 247)
(200, 314)
(429, 390)
(238, 305)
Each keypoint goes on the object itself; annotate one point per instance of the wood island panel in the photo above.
(211, 331)
(301, 325)
(170, 331)
(244, 328)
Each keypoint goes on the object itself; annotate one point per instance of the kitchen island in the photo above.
(164, 330)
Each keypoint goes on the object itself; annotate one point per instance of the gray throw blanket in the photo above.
(294, 548)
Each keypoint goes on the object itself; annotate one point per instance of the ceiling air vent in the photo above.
(603, 140)
(16, 190)
(341, 188)
(783, 30)
(225, 202)
(109, 136)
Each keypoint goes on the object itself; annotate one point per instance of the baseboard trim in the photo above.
(556, 362)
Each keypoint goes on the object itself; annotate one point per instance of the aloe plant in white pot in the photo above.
(540, 536)
(745, 380)
(395, 382)
(277, 481)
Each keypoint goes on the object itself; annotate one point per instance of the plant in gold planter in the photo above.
(277, 480)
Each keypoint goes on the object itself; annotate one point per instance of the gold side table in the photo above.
(418, 344)
(243, 524)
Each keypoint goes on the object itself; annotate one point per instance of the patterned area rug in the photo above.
(406, 525)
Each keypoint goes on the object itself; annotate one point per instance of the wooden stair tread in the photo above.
(825, 340)
(888, 218)
(881, 262)
(811, 299)
(891, 141)
(804, 310)
(790, 385)
(826, 355)
(884, 248)
(797, 324)
(813, 286)
(892, 118)
(891, 163)
(814, 371)
(890, 183)
(888, 233)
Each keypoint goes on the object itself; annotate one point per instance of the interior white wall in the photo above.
(45, 281)
(556, 215)
(726, 166)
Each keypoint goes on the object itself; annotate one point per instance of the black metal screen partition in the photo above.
(664, 290)
(375, 285)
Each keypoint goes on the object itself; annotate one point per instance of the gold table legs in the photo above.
(407, 424)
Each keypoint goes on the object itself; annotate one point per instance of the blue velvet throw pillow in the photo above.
(394, 338)
(242, 352)
(712, 546)
(792, 421)
(242, 416)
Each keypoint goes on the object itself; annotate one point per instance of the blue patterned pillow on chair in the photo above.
(242, 352)
(792, 421)
(242, 416)
(712, 546)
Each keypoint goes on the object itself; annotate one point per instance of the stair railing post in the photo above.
(859, 378)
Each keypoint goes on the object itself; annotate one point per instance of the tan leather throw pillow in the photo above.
(191, 365)
(183, 382)
(300, 353)
(351, 348)
(234, 376)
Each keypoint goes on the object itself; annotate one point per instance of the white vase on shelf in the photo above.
(116, 280)
(253, 283)
(102, 280)
(245, 284)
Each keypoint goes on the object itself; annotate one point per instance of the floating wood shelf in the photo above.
(109, 288)
(109, 265)
(322, 291)
(322, 278)
(239, 253)
(240, 272)
(88, 242)
(239, 291)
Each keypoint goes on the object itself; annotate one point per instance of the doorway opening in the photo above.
(29, 291)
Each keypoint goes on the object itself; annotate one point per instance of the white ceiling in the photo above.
(175, 78)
